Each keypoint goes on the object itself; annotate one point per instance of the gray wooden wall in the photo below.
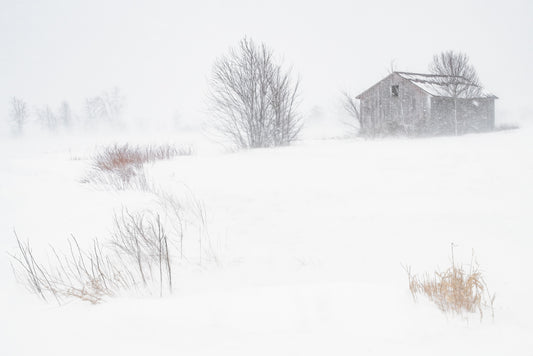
(385, 114)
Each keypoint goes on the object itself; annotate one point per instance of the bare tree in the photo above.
(19, 114)
(105, 107)
(65, 114)
(47, 117)
(351, 106)
(113, 102)
(253, 99)
(93, 109)
(458, 78)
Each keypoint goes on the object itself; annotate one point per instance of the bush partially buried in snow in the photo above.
(456, 290)
(122, 166)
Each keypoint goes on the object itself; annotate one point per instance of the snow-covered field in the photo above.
(310, 241)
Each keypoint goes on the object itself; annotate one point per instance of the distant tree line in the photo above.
(105, 108)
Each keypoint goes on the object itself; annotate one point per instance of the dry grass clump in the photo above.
(122, 166)
(88, 274)
(137, 256)
(140, 255)
(144, 243)
(457, 289)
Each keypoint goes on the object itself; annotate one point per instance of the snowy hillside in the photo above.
(306, 246)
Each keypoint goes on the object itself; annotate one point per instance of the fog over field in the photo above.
(199, 178)
(160, 54)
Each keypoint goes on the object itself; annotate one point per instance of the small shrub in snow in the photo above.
(118, 157)
(122, 166)
(457, 289)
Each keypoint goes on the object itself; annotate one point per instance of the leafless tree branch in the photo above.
(459, 77)
(351, 106)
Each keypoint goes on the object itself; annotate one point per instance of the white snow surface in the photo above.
(311, 240)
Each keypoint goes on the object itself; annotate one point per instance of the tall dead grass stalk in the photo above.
(141, 254)
(88, 274)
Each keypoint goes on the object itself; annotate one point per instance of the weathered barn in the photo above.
(422, 104)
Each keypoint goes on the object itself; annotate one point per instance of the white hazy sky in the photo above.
(160, 53)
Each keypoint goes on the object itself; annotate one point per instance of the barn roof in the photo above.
(435, 85)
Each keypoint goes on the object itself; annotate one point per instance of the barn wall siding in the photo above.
(473, 115)
(442, 121)
(383, 113)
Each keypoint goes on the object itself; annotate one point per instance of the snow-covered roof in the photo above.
(436, 85)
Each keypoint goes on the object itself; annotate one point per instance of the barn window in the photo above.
(395, 90)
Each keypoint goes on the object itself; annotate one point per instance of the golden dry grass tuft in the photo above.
(456, 290)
